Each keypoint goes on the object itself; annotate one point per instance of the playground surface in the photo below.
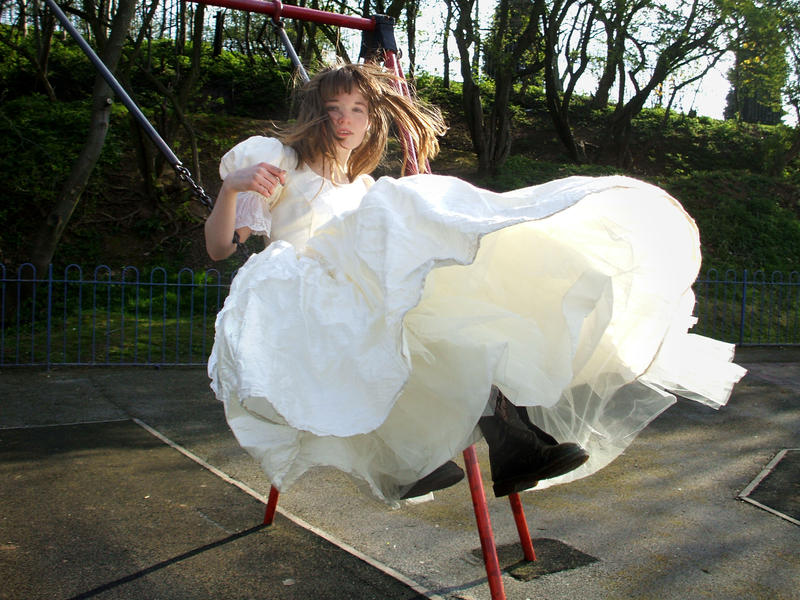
(127, 483)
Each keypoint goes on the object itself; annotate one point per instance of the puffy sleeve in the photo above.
(252, 208)
(367, 181)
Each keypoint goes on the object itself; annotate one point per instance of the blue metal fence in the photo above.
(130, 317)
(749, 308)
(109, 317)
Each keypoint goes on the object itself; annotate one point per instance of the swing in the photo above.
(377, 41)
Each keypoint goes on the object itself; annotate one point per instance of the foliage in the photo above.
(253, 88)
(70, 72)
(229, 83)
(39, 140)
(433, 90)
(760, 69)
(679, 144)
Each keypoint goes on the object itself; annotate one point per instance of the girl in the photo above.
(370, 332)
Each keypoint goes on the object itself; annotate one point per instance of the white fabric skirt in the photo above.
(374, 348)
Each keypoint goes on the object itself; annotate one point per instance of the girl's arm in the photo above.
(262, 178)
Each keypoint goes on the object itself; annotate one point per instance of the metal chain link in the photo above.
(186, 176)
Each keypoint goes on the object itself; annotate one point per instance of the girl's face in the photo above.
(349, 115)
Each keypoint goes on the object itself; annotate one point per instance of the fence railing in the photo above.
(749, 308)
(109, 317)
(130, 317)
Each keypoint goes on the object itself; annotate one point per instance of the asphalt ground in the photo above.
(127, 483)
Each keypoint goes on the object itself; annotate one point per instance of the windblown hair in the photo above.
(312, 134)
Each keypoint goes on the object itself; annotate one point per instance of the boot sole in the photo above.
(568, 463)
(447, 475)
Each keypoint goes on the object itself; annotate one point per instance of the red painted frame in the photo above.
(278, 9)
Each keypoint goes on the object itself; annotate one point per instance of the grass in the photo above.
(109, 338)
(111, 322)
(94, 323)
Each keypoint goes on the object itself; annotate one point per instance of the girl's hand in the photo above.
(263, 178)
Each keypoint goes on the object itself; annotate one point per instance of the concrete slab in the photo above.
(107, 510)
(663, 519)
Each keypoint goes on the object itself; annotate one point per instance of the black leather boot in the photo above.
(518, 456)
(540, 433)
(445, 476)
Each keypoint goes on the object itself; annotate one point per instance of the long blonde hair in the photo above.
(312, 135)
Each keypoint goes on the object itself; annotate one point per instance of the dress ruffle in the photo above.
(373, 348)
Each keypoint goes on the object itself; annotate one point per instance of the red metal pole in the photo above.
(295, 12)
(522, 526)
(392, 64)
(484, 525)
(272, 504)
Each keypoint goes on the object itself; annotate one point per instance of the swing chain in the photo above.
(185, 175)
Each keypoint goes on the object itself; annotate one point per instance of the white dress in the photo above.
(368, 334)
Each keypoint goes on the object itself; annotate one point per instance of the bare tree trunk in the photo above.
(557, 96)
(491, 135)
(180, 34)
(476, 34)
(470, 94)
(164, 14)
(46, 241)
(614, 54)
(412, 9)
(219, 29)
(184, 84)
(22, 17)
(445, 44)
(46, 23)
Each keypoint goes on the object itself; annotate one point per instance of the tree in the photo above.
(446, 44)
(513, 35)
(620, 23)
(51, 229)
(790, 25)
(39, 56)
(581, 17)
(174, 97)
(760, 69)
(685, 35)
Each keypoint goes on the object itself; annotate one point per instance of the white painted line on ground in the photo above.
(760, 477)
(744, 494)
(4, 428)
(293, 518)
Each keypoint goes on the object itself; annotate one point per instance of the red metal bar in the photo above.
(295, 12)
(484, 525)
(522, 526)
(272, 504)
(392, 64)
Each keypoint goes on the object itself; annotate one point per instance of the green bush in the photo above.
(242, 87)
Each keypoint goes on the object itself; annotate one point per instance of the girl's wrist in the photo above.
(227, 193)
